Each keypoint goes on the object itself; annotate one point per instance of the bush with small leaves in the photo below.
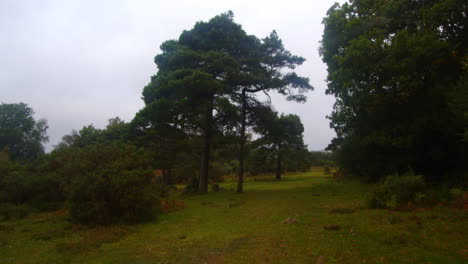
(112, 183)
(192, 185)
(22, 183)
(215, 187)
(398, 190)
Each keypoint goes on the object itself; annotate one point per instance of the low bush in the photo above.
(215, 187)
(38, 190)
(24, 184)
(398, 190)
(112, 183)
(192, 186)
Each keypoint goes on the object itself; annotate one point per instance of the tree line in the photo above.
(206, 87)
(398, 70)
(202, 120)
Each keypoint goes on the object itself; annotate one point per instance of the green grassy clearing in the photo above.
(226, 227)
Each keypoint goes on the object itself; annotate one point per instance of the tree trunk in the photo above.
(278, 165)
(242, 143)
(164, 177)
(203, 179)
(169, 177)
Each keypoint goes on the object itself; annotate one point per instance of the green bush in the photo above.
(32, 188)
(23, 183)
(398, 190)
(456, 193)
(112, 183)
(192, 185)
(215, 187)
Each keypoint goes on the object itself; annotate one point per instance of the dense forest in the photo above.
(398, 71)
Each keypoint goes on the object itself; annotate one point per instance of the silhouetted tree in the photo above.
(280, 135)
(266, 71)
(20, 134)
(393, 67)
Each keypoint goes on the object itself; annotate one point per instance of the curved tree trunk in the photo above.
(240, 181)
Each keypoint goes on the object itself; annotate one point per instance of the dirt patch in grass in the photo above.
(341, 210)
(6, 229)
(50, 234)
(93, 239)
(218, 255)
(332, 227)
(170, 205)
(400, 239)
(53, 216)
(393, 219)
(235, 203)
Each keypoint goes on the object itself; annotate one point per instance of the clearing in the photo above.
(328, 224)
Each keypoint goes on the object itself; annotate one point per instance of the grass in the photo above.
(331, 226)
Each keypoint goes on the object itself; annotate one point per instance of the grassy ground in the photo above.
(226, 227)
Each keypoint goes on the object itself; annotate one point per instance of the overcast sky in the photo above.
(82, 62)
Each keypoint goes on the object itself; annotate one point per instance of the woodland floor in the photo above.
(330, 225)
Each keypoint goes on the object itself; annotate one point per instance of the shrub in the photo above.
(215, 187)
(398, 190)
(217, 171)
(32, 188)
(456, 193)
(24, 184)
(112, 183)
(192, 185)
(185, 171)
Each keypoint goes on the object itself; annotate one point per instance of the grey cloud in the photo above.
(82, 62)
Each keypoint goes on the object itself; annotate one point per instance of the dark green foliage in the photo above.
(185, 171)
(43, 191)
(281, 141)
(112, 183)
(272, 70)
(28, 184)
(192, 185)
(398, 190)
(260, 160)
(321, 158)
(7, 166)
(204, 88)
(297, 160)
(115, 131)
(186, 102)
(215, 187)
(394, 67)
(20, 134)
(105, 180)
